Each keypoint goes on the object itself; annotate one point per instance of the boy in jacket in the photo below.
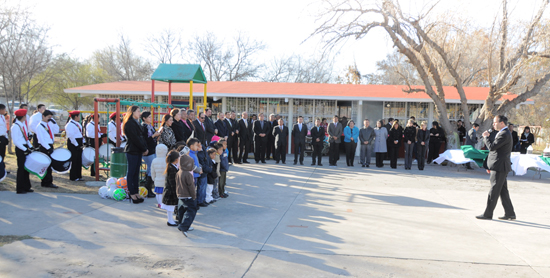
(185, 190)
(206, 164)
(224, 168)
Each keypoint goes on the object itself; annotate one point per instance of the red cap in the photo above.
(74, 113)
(21, 112)
(113, 115)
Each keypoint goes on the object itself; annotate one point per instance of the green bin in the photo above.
(119, 164)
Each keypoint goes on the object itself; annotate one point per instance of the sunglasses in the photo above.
(202, 117)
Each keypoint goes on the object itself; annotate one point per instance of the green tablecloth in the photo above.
(476, 155)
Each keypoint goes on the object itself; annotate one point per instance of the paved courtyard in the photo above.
(291, 221)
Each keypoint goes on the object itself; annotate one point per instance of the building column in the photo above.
(431, 115)
(289, 123)
(224, 104)
(359, 124)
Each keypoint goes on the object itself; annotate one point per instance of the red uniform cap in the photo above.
(112, 116)
(21, 112)
(74, 113)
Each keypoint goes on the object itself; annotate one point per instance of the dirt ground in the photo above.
(63, 181)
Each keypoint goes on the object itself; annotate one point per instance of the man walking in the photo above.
(334, 131)
(261, 129)
(299, 133)
(317, 139)
(499, 165)
(245, 136)
(366, 138)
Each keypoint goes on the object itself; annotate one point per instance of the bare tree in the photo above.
(165, 46)
(425, 43)
(226, 62)
(394, 70)
(298, 69)
(121, 63)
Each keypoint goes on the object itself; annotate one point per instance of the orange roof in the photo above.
(282, 90)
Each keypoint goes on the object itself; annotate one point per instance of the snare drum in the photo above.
(61, 161)
(88, 157)
(105, 151)
(37, 164)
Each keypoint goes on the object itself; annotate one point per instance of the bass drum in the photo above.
(105, 151)
(37, 164)
(61, 161)
(88, 157)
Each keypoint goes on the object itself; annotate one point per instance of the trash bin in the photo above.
(119, 164)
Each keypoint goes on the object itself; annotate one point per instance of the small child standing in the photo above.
(224, 168)
(158, 166)
(202, 181)
(216, 190)
(187, 195)
(212, 176)
(170, 198)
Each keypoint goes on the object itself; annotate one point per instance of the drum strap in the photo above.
(24, 133)
(77, 126)
(48, 129)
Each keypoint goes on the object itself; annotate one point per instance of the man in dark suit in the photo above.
(270, 149)
(209, 126)
(299, 133)
(232, 137)
(334, 131)
(221, 126)
(499, 165)
(200, 130)
(245, 136)
(261, 129)
(187, 127)
(280, 133)
(317, 139)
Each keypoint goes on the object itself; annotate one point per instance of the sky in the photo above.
(81, 27)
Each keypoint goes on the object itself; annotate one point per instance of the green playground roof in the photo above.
(179, 73)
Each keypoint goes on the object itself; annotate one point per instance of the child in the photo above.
(224, 167)
(185, 190)
(212, 176)
(157, 171)
(216, 191)
(206, 164)
(170, 198)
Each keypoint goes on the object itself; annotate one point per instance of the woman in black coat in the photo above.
(395, 139)
(135, 149)
(527, 139)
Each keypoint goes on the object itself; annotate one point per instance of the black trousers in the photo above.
(299, 149)
(48, 179)
(3, 143)
(433, 152)
(421, 156)
(244, 147)
(499, 188)
(333, 153)
(380, 159)
(280, 153)
(232, 147)
(393, 156)
(76, 159)
(35, 141)
(350, 152)
(23, 182)
(260, 146)
(270, 148)
(91, 143)
(317, 149)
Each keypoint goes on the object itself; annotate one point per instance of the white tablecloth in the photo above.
(522, 162)
(454, 156)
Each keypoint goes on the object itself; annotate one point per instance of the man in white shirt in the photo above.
(45, 131)
(3, 131)
(27, 118)
(20, 136)
(73, 132)
(90, 134)
(33, 122)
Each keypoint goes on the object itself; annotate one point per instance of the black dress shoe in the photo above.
(367, 166)
(319, 164)
(513, 217)
(284, 162)
(50, 186)
(482, 217)
(312, 164)
(301, 163)
(246, 162)
(30, 190)
(203, 205)
(171, 225)
(295, 163)
(264, 162)
(276, 162)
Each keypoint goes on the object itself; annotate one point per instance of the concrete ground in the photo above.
(291, 221)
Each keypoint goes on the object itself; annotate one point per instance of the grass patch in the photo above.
(9, 239)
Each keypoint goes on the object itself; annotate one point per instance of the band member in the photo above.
(33, 122)
(245, 136)
(3, 132)
(280, 133)
(317, 139)
(113, 130)
(20, 135)
(260, 128)
(90, 135)
(73, 131)
(45, 131)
